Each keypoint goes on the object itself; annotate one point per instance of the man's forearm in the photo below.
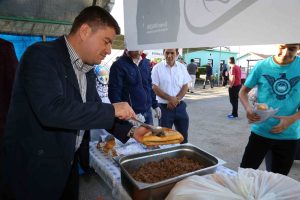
(182, 92)
(296, 116)
(160, 93)
(243, 95)
(232, 80)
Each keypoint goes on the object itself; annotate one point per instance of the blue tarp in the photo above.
(21, 42)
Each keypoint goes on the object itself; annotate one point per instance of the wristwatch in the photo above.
(131, 131)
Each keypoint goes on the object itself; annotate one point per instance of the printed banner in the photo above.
(155, 24)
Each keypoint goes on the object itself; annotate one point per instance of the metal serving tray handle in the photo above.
(117, 159)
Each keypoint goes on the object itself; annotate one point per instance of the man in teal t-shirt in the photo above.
(278, 82)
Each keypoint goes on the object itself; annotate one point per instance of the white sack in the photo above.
(248, 184)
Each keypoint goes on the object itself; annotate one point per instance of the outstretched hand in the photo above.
(285, 122)
(173, 102)
(252, 116)
(123, 111)
(139, 133)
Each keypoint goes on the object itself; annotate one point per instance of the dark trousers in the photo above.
(268, 158)
(268, 161)
(71, 189)
(6, 192)
(210, 80)
(297, 156)
(178, 116)
(225, 80)
(234, 99)
(283, 153)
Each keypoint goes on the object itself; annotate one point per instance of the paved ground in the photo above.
(209, 129)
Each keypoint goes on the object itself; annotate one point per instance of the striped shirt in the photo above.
(80, 69)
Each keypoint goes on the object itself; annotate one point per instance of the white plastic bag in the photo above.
(248, 184)
(200, 188)
(139, 117)
(252, 95)
(264, 114)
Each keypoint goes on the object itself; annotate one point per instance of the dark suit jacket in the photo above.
(132, 84)
(43, 119)
(8, 65)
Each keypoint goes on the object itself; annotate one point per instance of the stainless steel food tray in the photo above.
(159, 190)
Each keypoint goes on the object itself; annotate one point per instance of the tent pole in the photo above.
(219, 71)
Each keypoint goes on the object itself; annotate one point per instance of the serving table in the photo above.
(109, 170)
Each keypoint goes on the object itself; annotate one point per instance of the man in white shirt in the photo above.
(170, 83)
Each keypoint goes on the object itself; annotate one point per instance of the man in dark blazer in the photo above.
(54, 100)
(8, 65)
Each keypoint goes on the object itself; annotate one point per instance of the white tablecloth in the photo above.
(109, 170)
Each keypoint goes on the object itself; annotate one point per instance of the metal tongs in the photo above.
(156, 130)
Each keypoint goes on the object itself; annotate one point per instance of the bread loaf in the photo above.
(262, 106)
(170, 136)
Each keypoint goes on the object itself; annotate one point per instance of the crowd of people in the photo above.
(59, 96)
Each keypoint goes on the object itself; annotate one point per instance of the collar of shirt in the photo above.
(168, 66)
(80, 69)
(76, 60)
(135, 60)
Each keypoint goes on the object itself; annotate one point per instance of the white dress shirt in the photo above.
(169, 79)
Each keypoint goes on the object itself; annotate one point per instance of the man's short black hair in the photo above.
(231, 60)
(192, 60)
(95, 17)
(175, 50)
